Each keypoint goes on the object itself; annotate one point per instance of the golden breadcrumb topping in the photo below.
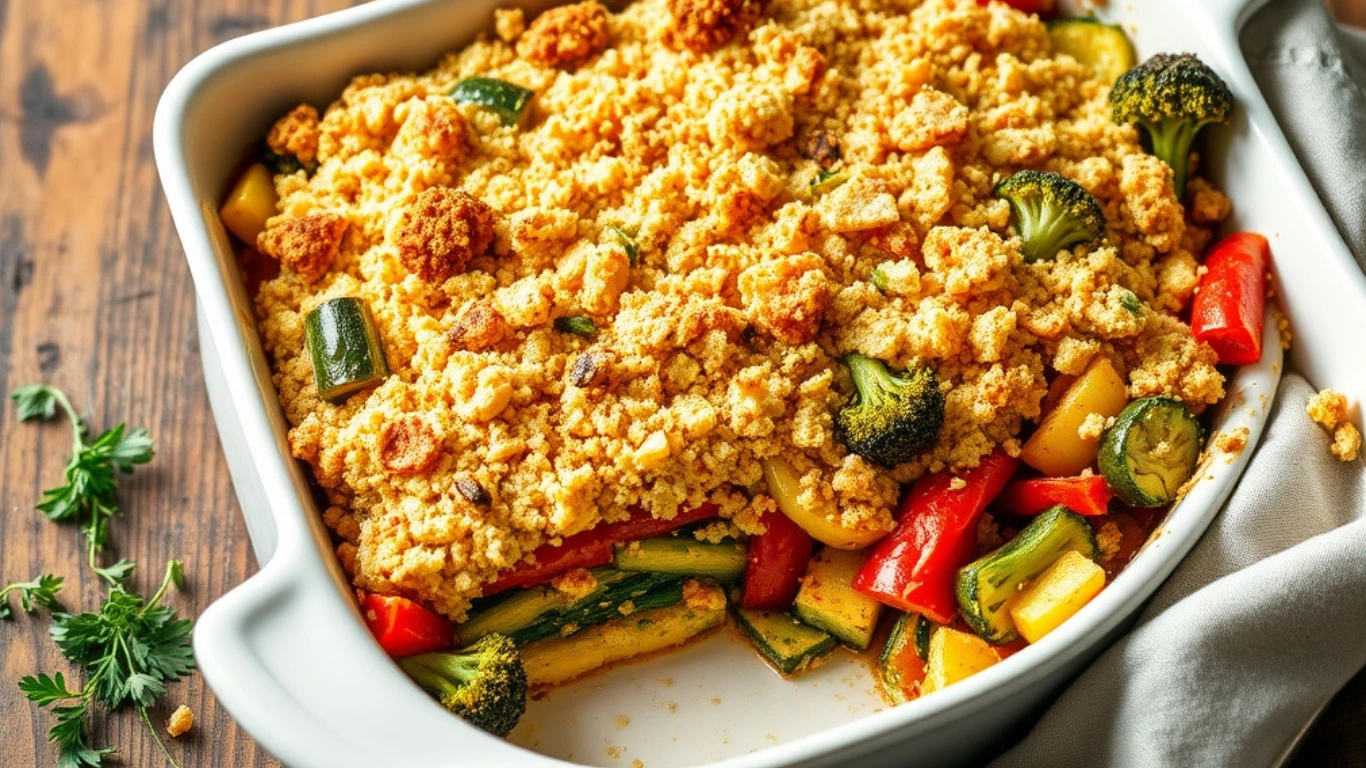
(662, 187)
(182, 720)
(296, 134)
(1329, 409)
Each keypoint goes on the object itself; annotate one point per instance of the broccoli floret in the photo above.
(891, 417)
(1172, 96)
(1051, 213)
(484, 683)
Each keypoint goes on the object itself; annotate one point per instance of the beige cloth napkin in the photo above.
(1265, 620)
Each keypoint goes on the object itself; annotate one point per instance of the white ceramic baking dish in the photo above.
(286, 653)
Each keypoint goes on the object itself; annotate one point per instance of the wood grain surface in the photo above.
(95, 298)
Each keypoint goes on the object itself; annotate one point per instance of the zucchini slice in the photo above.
(684, 556)
(559, 659)
(540, 612)
(987, 586)
(1102, 47)
(827, 599)
(787, 644)
(345, 347)
(902, 663)
(499, 96)
(1151, 451)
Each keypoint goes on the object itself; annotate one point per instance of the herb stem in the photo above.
(161, 590)
(157, 737)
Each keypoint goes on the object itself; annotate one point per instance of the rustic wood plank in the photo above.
(95, 298)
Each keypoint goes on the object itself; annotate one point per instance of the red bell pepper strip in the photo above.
(592, 548)
(1227, 313)
(403, 627)
(914, 568)
(777, 560)
(1084, 495)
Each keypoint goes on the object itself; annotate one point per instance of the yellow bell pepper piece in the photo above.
(1060, 591)
(250, 203)
(1056, 448)
(785, 486)
(955, 656)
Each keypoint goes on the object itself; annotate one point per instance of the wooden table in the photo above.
(95, 298)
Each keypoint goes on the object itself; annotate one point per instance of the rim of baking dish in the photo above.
(261, 700)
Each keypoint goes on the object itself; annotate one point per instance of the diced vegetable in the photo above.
(902, 664)
(593, 547)
(1060, 591)
(684, 556)
(1151, 451)
(579, 325)
(508, 100)
(484, 683)
(913, 569)
(824, 181)
(785, 486)
(892, 416)
(345, 347)
(403, 628)
(955, 656)
(789, 645)
(1227, 312)
(1087, 496)
(1056, 449)
(251, 202)
(559, 659)
(541, 612)
(1172, 96)
(1104, 48)
(827, 599)
(1051, 213)
(988, 585)
(777, 560)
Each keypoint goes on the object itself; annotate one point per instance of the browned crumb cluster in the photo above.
(306, 245)
(565, 36)
(693, 138)
(440, 231)
(1329, 409)
(296, 134)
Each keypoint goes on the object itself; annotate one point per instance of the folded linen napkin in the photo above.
(1262, 623)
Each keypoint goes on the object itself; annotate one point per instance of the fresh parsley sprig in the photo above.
(89, 494)
(41, 591)
(129, 650)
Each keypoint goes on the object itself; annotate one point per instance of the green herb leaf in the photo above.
(1130, 302)
(35, 401)
(827, 180)
(879, 279)
(41, 591)
(43, 690)
(578, 324)
(628, 243)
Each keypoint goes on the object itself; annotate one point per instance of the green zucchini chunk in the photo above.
(987, 585)
(499, 96)
(1102, 47)
(1151, 451)
(827, 599)
(907, 648)
(789, 645)
(559, 659)
(684, 556)
(536, 613)
(345, 347)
